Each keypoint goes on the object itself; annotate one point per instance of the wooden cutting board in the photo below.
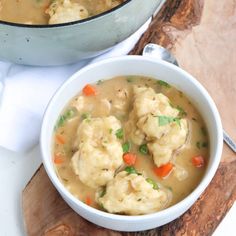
(202, 36)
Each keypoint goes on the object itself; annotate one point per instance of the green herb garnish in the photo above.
(99, 82)
(70, 113)
(85, 116)
(120, 133)
(126, 147)
(110, 131)
(131, 170)
(103, 192)
(180, 94)
(171, 104)
(204, 131)
(169, 188)
(129, 79)
(143, 149)
(165, 120)
(182, 112)
(163, 83)
(201, 144)
(204, 144)
(153, 183)
(198, 144)
(101, 206)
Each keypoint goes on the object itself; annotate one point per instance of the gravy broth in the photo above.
(186, 174)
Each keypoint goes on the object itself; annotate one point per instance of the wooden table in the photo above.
(202, 36)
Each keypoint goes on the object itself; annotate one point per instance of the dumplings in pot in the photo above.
(66, 11)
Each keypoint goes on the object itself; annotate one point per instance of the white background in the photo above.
(15, 172)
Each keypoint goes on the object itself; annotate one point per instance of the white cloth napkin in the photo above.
(27, 91)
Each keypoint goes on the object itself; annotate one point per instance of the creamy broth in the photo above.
(196, 145)
(34, 11)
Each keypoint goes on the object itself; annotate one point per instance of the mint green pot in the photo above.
(47, 45)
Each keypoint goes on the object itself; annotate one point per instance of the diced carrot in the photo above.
(88, 201)
(164, 170)
(60, 139)
(89, 90)
(129, 158)
(58, 159)
(198, 161)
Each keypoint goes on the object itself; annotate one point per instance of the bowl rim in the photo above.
(21, 25)
(165, 212)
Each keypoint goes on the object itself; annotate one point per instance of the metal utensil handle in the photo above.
(159, 52)
(229, 141)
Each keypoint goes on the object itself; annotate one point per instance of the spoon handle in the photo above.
(159, 52)
(229, 141)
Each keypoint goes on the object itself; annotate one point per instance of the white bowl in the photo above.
(133, 65)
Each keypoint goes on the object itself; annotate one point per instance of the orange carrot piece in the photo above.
(129, 158)
(164, 170)
(89, 90)
(198, 161)
(88, 201)
(58, 159)
(60, 139)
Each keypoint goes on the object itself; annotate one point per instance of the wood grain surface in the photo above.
(202, 36)
(46, 213)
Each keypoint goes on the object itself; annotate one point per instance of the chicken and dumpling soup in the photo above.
(130, 145)
(52, 11)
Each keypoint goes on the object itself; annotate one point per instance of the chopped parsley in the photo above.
(126, 147)
(99, 82)
(204, 131)
(182, 112)
(204, 144)
(131, 170)
(129, 79)
(85, 116)
(70, 113)
(120, 133)
(110, 131)
(103, 192)
(201, 144)
(168, 187)
(163, 83)
(198, 144)
(171, 104)
(153, 183)
(143, 149)
(165, 120)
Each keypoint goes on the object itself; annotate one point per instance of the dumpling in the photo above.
(131, 194)
(134, 133)
(99, 151)
(147, 101)
(66, 11)
(142, 123)
(144, 126)
(162, 149)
